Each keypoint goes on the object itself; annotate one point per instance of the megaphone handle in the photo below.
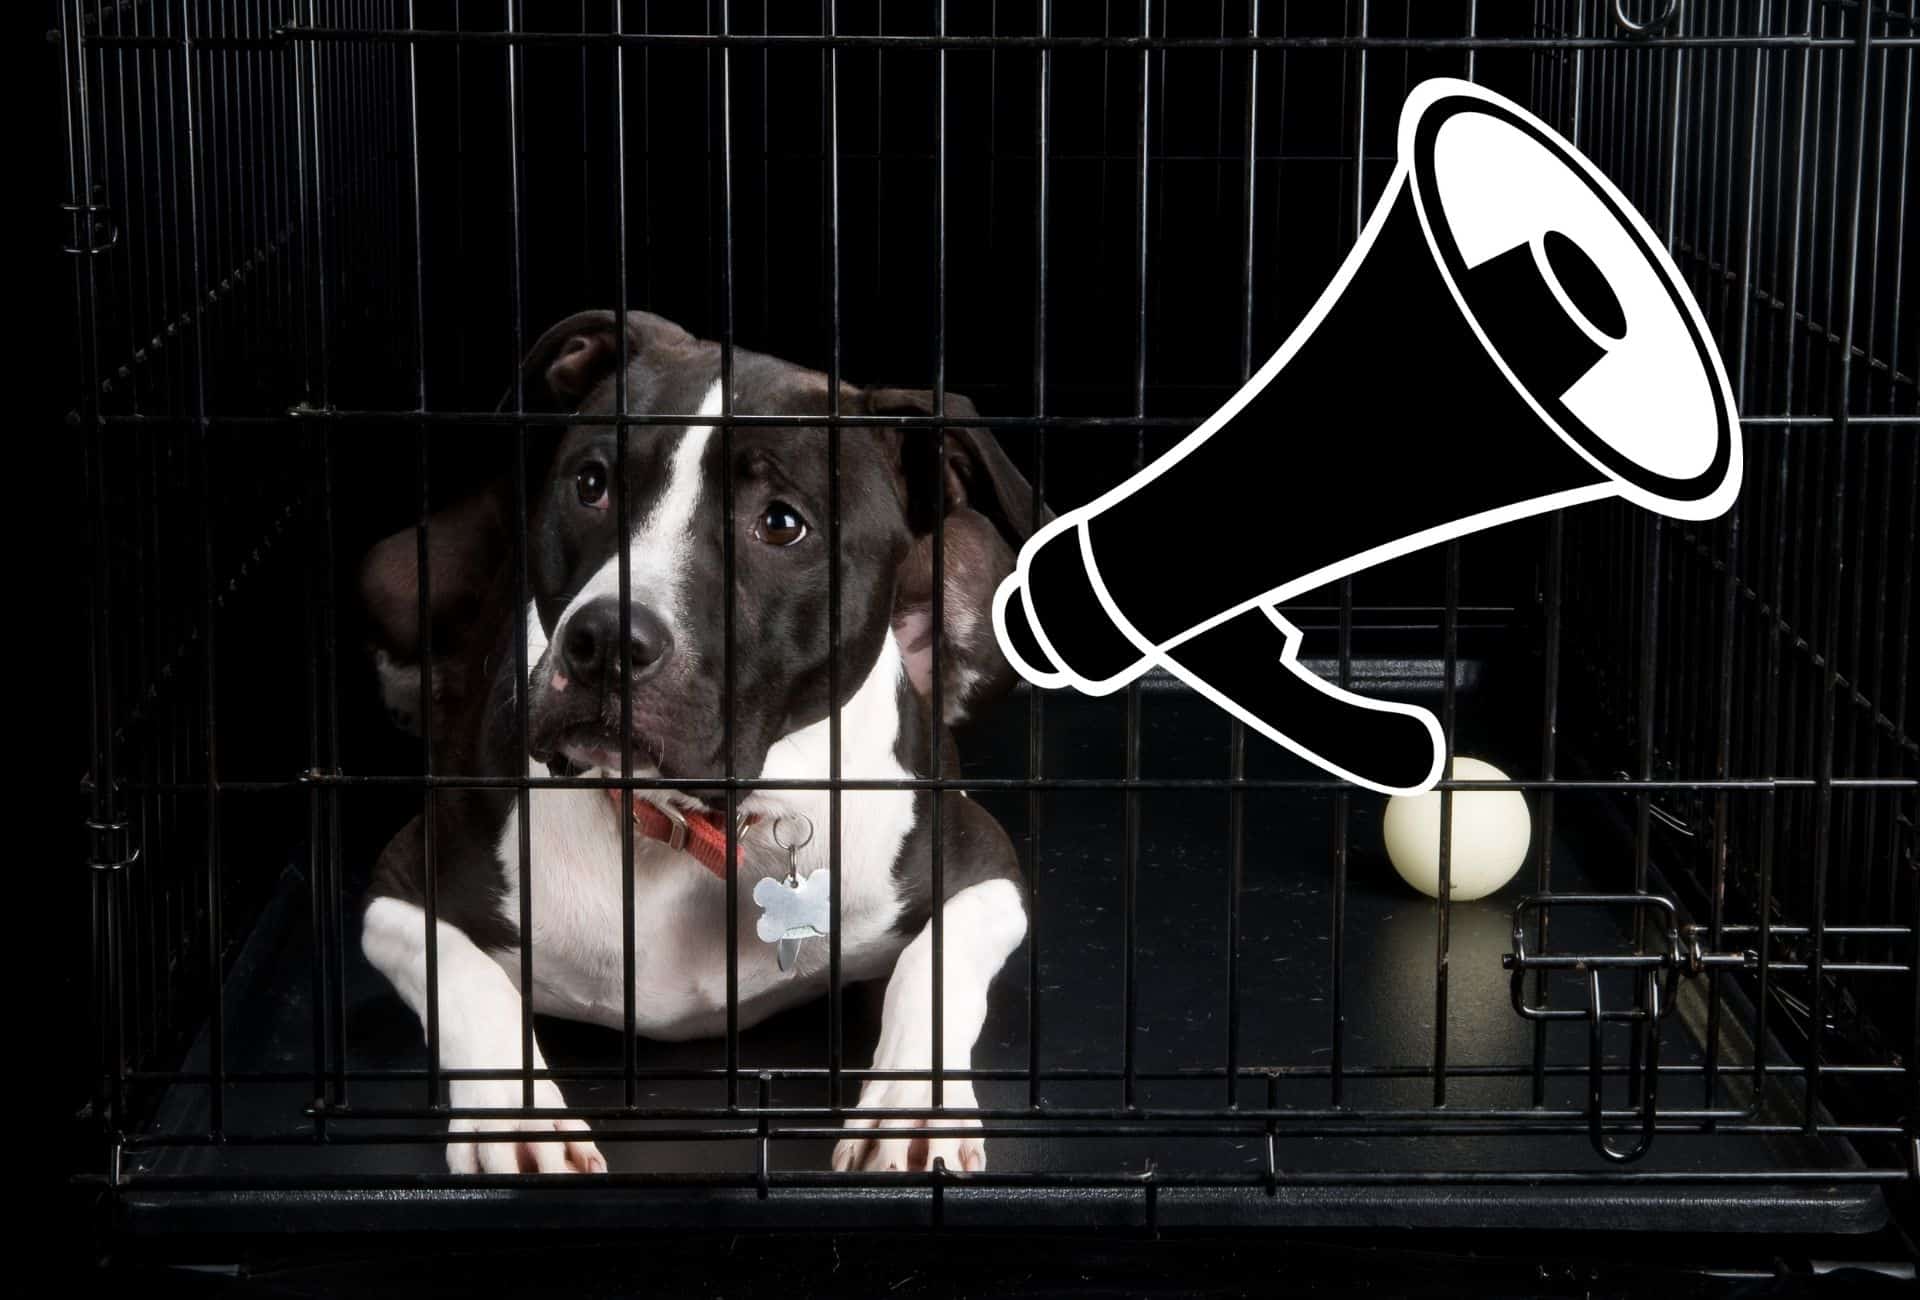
(1248, 665)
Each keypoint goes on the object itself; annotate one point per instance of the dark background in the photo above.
(489, 288)
(517, 229)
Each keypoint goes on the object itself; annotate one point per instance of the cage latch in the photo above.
(1679, 952)
(1669, 11)
(93, 227)
(112, 848)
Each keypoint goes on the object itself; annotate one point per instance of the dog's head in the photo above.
(666, 513)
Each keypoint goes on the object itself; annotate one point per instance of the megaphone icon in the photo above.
(1506, 338)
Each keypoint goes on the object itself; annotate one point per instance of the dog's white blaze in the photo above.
(680, 962)
(662, 540)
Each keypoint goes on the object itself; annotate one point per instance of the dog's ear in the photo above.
(576, 356)
(466, 548)
(979, 474)
(470, 540)
(989, 510)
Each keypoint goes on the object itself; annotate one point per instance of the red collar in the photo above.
(699, 834)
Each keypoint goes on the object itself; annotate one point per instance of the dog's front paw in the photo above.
(576, 1155)
(904, 1146)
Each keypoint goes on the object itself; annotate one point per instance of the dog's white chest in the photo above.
(680, 908)
(679, 926)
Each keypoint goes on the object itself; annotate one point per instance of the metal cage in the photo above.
(309, 241)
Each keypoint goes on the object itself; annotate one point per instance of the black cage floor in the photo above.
(1329, 1176)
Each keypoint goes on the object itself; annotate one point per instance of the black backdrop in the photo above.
(897, 308)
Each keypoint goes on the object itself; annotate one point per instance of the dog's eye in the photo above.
(780, 525)
(590, 484)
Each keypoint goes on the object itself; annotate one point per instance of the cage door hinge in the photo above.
(1676, 950)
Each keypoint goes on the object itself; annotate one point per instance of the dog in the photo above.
(894, 486)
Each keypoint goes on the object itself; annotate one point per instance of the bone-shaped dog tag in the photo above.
(793, 909)
(790, 913)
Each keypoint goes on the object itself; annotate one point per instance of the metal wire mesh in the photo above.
(1094, 218)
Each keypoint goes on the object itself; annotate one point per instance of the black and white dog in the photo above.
(675, 487)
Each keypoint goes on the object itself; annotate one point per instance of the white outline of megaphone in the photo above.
(1624, 473)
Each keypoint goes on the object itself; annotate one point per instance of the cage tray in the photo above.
(1327, 1174)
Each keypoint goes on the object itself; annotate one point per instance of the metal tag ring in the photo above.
(796, 845)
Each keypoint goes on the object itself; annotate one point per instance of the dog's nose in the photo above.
(590, 644)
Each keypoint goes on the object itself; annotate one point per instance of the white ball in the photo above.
(1491, 829)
